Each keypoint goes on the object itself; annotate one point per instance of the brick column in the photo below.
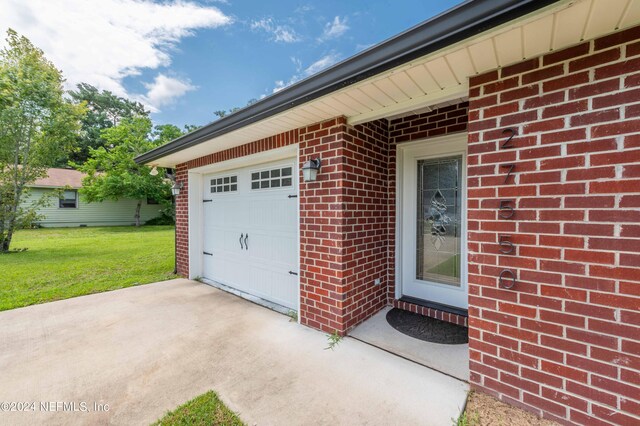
(344, 224)
(564, 341)
(182, 221)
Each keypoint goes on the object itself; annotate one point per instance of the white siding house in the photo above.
(71, 209)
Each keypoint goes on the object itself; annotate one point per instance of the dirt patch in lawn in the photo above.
(484, 410)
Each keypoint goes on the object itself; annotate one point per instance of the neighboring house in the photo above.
(482, 167)
(71, 210)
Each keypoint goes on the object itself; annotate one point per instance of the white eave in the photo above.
(437, 78)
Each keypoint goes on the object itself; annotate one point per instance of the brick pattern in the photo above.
(348, 216)
(430, 312)
(322, 272)
(182, 222)
(565, 341)
(344, 225)
(439, 122)
(366, 202)
(255, 147)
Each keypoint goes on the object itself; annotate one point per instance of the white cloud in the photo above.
(298, 63)
(317, 66)
(280, 84)
(334, 29)
(280, 33)
(163, 91)
(322, 63)
(103, 42)
(304, 8)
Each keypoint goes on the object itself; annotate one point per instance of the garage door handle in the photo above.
(241, 246)
(246, 244)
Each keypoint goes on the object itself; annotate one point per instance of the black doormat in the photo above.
(427, 328)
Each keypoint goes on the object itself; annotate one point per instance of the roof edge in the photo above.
(457, 24)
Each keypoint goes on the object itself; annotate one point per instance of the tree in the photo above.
(165, 133)
(36, 124)
(188, 128)
(113, 174)
(223, 113)
(104, 110)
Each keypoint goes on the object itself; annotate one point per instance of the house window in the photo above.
(151, 201)
(69, 199)
(224, 184)
(281, 177)
(439, 220)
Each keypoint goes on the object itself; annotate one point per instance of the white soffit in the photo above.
(441, 77)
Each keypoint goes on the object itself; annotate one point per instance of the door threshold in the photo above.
(250, 297)
(435, 305)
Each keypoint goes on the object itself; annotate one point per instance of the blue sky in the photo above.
(187, 59)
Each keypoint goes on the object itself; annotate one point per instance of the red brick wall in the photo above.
(366, 202)
(322, 226)
(564, 342)
(344, 224)
(430, 312)
(348, 216)
(182, 221)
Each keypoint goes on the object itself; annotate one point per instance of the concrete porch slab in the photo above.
(449, 359)
(145, 350)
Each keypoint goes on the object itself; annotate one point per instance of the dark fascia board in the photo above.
(457, 24)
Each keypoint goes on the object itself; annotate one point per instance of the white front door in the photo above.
(251, 231)
(432, 176)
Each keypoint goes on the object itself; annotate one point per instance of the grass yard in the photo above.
(66, 262)
(205, 410)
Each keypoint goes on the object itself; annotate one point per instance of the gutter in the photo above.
(457, 24)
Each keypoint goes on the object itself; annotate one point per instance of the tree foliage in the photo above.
(37, 125)
(104, 110)
(112, 173)
(165, 133)
(223, 113)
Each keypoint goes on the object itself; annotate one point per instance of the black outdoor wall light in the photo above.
(310, 169)
(175, 189)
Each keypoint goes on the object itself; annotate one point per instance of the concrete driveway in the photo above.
(145, 350)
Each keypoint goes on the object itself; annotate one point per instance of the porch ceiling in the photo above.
(439, 77)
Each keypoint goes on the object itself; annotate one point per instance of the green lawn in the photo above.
(205, 410)
(68, 262)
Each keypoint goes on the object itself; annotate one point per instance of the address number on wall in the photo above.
(506, 210)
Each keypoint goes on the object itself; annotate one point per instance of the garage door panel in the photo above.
(228, 243)
(269, 216)
(230, 213)
(228, 271)
(273, 248)
(274, 286)
(273, 214)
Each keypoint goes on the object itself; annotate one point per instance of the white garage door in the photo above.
(251, 231)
